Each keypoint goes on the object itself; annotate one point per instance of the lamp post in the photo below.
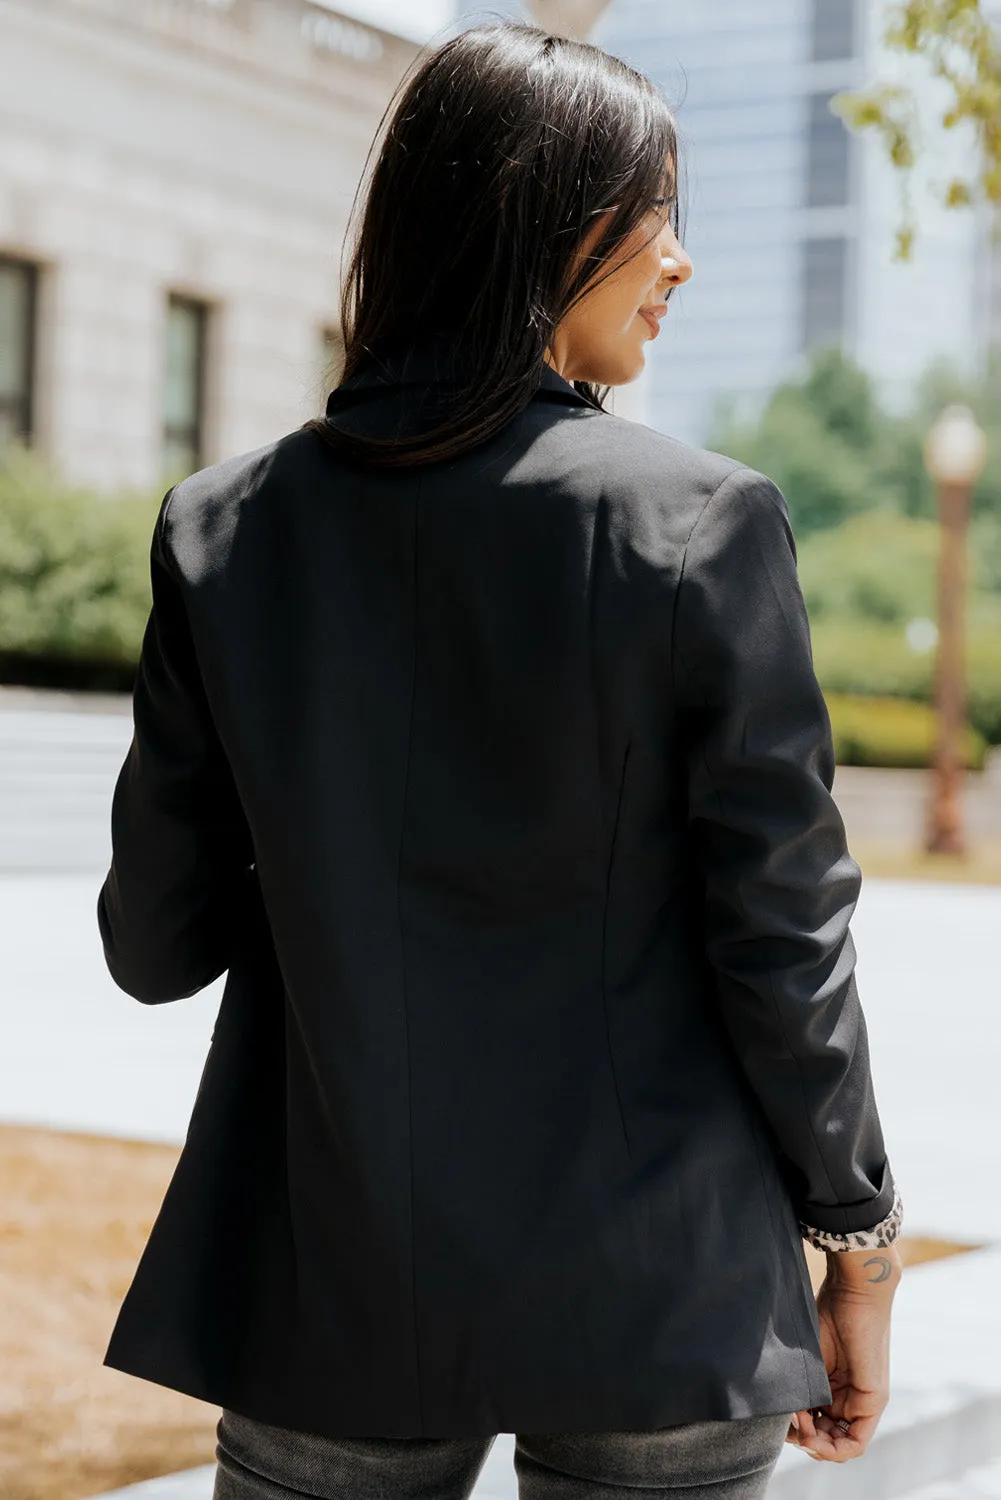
(954, 454)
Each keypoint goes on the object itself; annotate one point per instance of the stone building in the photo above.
(175, 182)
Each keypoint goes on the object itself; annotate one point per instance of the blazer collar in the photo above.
(426, 364)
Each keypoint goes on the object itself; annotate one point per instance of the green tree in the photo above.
(963, 48)
(835, 451)
(878, 567)
(824, 440)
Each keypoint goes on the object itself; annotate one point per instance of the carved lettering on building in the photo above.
(335, 34)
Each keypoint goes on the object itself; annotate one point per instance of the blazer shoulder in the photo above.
(230, 479)
(200, 513)
(645, 470)
(645, 446)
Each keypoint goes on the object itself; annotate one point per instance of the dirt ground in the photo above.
(75, 1213)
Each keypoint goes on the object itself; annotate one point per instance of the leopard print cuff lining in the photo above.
(883, 1233)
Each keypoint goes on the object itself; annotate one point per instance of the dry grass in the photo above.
(77, 1211)
(893, 860)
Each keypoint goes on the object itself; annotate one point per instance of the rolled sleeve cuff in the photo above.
(880, 1234)
(849, 1218)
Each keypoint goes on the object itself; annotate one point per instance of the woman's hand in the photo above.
(853, 1307)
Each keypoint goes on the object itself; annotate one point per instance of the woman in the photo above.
(477, 736)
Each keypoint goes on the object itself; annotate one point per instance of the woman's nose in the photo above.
(676, 266)
(676, 263)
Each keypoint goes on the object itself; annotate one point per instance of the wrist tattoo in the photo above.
(883, 1264)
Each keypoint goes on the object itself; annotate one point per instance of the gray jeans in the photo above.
(714, 1460)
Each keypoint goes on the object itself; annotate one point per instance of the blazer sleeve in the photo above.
(780, 885)
(181, 849)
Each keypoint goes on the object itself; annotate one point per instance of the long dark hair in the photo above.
(502, 145)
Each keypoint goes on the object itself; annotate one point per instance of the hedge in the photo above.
(74, 573)
(892, 732)
(872, 660)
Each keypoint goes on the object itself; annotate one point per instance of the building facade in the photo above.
(176, 178)
(175, 183)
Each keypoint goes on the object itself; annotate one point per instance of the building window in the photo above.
(828, 145)
(18, 303)
(184, 386)
(833, 30)
(825, 267)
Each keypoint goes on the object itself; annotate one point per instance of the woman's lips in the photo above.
(651, 319)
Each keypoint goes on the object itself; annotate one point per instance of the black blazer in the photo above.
(501, 789)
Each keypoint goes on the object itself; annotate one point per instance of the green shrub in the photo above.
(74, 567)
(879, 566)
(858, 657)
(864, 581)
(891, 732)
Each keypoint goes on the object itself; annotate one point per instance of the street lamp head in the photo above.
(956, 448)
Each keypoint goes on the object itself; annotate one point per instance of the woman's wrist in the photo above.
(862, 1269)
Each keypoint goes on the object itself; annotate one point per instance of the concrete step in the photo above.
(983, 1483)
(190, 1484)
(57, 775)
